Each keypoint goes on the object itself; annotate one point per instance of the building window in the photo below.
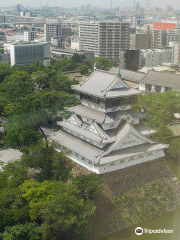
(112, 164)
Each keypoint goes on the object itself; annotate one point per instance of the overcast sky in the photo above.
(99, 3)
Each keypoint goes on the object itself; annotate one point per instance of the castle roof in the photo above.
(101, 117)
(103, 84)
(94, 154)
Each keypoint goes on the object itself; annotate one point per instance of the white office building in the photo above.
(21, 53)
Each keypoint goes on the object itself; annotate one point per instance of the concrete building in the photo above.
(30, 36)
(2, 18)
(4, 58)
(140, 41)
(129, 59)
(105, 38)
(163, 33)
(76, 45)
(52, 30)
(175, 52)
(56, 41)
(66, 32)
(59, 53)
(104, 134)
(154, 57)
(137, 59)
(159, 82)
(2, 36)
(162, 38)
(21, 53)
(27, 14)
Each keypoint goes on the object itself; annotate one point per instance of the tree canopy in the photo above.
(160, 109)
(40, 200)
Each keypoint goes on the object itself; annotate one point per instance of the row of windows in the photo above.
(131, 159)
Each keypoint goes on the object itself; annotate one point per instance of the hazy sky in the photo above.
(103, 3)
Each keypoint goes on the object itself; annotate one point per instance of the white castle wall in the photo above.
(113, 166)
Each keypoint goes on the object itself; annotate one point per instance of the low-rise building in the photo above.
(137, 59)
(76, 45)
(59, 53)
(154, 57)
(21, 53)
(159, 82)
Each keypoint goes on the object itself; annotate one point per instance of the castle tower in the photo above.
(104, 134)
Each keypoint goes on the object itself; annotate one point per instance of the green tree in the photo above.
(17, 85)
(41, 80)
(5, 71)
(78, 58)
(14, 208)
(28, 231)
(61, 208)
(49, 163)
(21, 131)
(90, 183)
(174, 149)
(104, 63)
(84, 69)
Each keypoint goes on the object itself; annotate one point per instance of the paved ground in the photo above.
(8, 155)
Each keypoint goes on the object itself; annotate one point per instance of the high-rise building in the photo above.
(175, 52)
(52, 30)
(2, 18)
(140, 41)
(161, 38)
(21, 53)
(105, 38)
(163, 33)
(104, 134)
(30, 36)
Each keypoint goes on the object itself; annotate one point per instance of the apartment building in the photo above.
(105, 38)
(175, 52)
(163, 33)
(30, 36)
(52, 30)
(140, 41)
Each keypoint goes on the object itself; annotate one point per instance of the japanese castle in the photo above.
(104, 134)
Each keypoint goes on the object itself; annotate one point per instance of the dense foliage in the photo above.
(160, 109)
(39, 197)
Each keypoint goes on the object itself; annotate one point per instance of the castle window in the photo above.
(112, 164)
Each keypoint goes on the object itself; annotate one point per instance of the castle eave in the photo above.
(78, 146)
(131, 152)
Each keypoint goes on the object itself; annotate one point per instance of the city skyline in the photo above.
(100, 3)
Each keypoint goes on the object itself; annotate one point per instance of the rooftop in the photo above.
(162, 79)
(101, 117)
(104, 84)
(129, 75)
